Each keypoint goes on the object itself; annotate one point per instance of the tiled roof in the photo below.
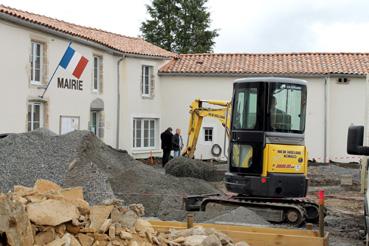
(276, 63)
(114, 41)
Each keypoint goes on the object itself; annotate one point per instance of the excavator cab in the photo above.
(267, 154)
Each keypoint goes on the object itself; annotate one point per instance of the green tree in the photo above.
(181, 26)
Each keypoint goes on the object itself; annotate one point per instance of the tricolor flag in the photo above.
(73, 62)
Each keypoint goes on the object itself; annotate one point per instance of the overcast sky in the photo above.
(244, 25)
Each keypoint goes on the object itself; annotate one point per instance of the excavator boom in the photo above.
(198, 110)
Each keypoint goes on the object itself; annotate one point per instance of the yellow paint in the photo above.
(198, 111)
(280, 158)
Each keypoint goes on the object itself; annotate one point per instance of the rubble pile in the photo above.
(186, 167)
(47, 214)
(79, 158)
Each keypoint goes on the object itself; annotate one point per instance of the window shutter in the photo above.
(142, 79)
(101, 125)
(101, 73)
(152, 82)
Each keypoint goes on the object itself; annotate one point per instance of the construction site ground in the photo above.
(81, 159)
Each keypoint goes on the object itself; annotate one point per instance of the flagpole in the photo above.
(56, 69)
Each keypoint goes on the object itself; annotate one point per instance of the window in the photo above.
(287, 107)
(208, 134)
(244, 115)
(36, 63)
(144, 133)
(242, 155)
(35, 116)
(146, 85)
(97, 123)
(97, 73)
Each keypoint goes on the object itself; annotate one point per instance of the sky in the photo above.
(245, 26)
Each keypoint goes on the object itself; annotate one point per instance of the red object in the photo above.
(263, 180)
(80, 67)
(321, 197)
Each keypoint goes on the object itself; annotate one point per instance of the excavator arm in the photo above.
(221, 111)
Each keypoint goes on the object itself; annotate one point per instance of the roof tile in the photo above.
(114, 41)
(275, 63)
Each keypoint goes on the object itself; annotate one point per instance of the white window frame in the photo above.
(154, 136)
(146, 78)
(96, 71)
(32, 120)
(208, 135)
(33, 62)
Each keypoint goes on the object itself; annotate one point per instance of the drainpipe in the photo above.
(118, 99)
(325, 154)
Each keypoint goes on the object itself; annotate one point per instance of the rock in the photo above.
(73, 229)
(22, 190)
(195, 240)
(45, 237)
(45, 186)
(133, 243)
(211, 240)
(98, 214)
(88, 230)
(198, 230)
(138, 209)
(74, 193)
(125, 235)
(14, 222)
(144, 226)
(179, 240)
(127, 219)
(112, 231)
(52, 212)
(242, 243)
(60, 230)
(85, 240)
(105, 226)
(224, 239)
(66, 240)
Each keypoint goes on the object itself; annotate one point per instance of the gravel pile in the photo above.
(240, 215)
(80, 159)
(186, 167)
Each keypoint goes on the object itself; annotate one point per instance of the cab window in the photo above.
(245, 108)
(287, 108)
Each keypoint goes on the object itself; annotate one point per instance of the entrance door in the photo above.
(68, 124)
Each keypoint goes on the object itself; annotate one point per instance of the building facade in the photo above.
(337, 94)
(117, 96)
(131, 90)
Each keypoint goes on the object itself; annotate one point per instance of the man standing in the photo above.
(166, 144)
(177, 143)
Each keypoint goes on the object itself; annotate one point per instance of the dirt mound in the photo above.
(80, 159)
(186, 167)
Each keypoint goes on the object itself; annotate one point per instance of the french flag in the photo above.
(73, 62)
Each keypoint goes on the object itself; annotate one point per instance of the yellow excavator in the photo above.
(200, 109)
(267, 156)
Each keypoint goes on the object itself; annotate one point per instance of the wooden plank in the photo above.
(255, 236)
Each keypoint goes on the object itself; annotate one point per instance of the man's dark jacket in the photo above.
(166, 140)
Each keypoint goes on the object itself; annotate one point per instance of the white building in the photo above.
(117, 92)
(337, 93)
(132, 90)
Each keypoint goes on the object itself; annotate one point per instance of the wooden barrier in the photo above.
(256, 236)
